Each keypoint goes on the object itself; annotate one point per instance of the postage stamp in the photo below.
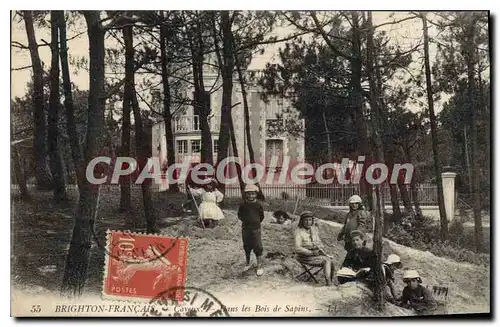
(139, 266)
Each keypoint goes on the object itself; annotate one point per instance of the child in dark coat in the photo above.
(415, 296)
(251, 214)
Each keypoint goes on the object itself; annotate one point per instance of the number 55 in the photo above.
(36, 308)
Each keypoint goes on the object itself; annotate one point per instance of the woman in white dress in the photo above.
(210, 212)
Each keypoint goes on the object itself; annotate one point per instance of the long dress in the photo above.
(208, 207)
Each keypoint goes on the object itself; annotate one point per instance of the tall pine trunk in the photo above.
(167, 115)
(76, 150)
(56, 164)
(42, 173)
(227, 89)
(473, 114)
(357, 103)
(201, 102)
(246, 114)
(235, 153)
(379, 157)
(432, 117)
(141, 143)
(19, 174)
(77, 259)
(125, 198)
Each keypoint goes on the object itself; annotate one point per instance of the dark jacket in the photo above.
(251, 214)
(419, 299)
(354, 220)
(359, 258)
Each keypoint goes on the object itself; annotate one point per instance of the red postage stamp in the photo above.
(139, 266)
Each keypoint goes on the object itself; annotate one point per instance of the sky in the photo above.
(406, 34)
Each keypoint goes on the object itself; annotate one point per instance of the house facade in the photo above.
(187, 133)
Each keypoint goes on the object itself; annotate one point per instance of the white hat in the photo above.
(411, 274)
(251, 188)
(392, 258)
(346, 272)
(355, 199)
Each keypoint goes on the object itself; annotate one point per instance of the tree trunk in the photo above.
(235, 153)
(141, 143)
(432, 117)
(76, 150)
(413, 184)
(167, 116)
(125, 198)
(328, 140)
(405, 197)
(227, 89)
(56, 164)
(379, 157)
(19, 174)
(201, 103)
(357, 102)
(42, 173)
(77, 259)
(471, 94)
(246, 113)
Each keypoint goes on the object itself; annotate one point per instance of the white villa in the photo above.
(187, 134)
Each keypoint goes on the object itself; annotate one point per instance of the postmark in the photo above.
(139, 266)
(195, 302)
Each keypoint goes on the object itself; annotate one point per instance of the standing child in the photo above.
(251, 215)
(210, 212)
(356, 219)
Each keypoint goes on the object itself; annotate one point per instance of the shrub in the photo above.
(423, 233)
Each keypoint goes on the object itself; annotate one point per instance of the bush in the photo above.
(423, 233)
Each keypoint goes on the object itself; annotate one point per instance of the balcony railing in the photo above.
(187, 124)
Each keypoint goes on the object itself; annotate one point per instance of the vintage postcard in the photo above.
(250, 164)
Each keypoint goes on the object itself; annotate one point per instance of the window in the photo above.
(274, 148)
(216, 145)
(195, 146)
(182, 146)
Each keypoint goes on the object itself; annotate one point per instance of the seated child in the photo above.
(389, 266)
(209, 211)
(282, 217)
(358, 257)
(415, 296)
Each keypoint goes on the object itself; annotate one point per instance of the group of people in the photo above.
(359, 262)
(357, 265)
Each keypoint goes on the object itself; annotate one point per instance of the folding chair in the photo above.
(440, 293)
(309, 272)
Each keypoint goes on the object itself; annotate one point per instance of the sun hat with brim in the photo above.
(411, 274)
(355, 199)
(251, 188)
(346, 272)
(357, 232)
(306, 214)
(392, 258)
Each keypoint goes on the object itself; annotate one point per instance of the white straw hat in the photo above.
(392, 258)
(251, 188)
(355, 199)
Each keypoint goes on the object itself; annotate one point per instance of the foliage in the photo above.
(423, 233)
